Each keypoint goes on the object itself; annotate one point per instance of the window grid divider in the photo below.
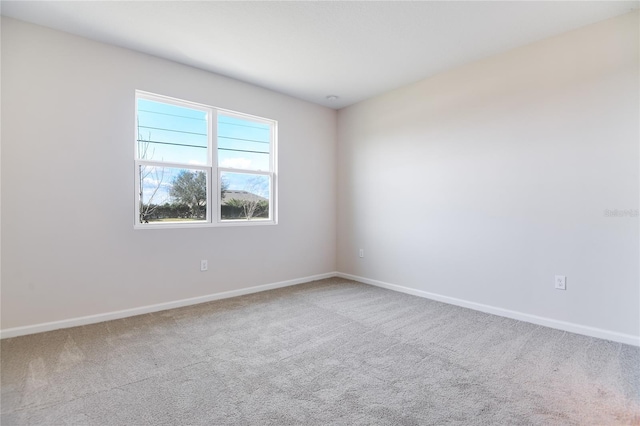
(212, 169)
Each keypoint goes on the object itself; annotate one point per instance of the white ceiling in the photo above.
(310, 50)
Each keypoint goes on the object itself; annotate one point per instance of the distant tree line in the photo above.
(245, 209)
(233, 209)
(172, 211)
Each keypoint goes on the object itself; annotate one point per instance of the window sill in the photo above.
(224, 224)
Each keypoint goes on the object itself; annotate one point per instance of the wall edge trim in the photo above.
(584, 330)
(125, 313)
(141, 310)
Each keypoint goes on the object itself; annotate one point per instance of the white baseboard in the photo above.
(547, 322)
(92, 319)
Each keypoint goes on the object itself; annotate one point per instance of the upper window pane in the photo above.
(172, 133)
(243, 143)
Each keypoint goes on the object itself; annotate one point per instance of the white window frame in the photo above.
(212, 170)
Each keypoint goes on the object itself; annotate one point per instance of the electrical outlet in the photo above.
(361, 253)
(561, 282)
(203, 265)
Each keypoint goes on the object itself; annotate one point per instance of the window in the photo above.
(185, 176)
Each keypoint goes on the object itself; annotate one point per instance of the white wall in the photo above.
(68, 244)
(484, 182)
(478, 184)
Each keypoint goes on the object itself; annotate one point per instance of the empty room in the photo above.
(320, 213)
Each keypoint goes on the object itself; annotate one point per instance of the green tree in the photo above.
(190, 188)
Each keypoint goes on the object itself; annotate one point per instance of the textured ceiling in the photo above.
(310, 50)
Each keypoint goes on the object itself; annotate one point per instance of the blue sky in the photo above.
(179, 135)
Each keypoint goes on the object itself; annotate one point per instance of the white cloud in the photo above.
(236, 163)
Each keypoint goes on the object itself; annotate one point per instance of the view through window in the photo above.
(185, 175)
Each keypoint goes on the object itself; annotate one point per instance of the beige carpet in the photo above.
(328, 352)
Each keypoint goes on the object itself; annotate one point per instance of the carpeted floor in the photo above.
(328, 352)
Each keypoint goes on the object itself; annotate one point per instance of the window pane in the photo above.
(245, 196)
(169, 194)
(171, 133)
(243, 143)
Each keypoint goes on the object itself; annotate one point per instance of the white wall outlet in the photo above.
(361, 253)
(561, 282)
(204, 265)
